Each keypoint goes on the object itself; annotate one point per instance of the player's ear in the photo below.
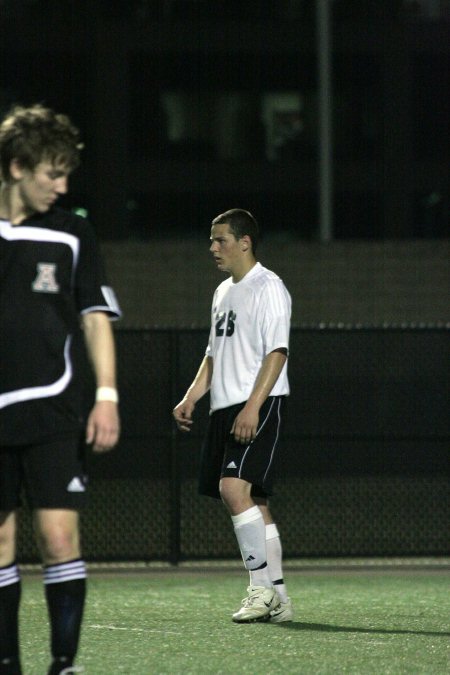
(15, 169)
(246, 243)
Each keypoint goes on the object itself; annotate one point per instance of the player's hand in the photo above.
(103, 426)
(245, 426)
(182, 414)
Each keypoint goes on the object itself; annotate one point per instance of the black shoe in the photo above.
(10, 667)
(64, 666)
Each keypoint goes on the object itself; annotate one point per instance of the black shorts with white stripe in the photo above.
(255, 463)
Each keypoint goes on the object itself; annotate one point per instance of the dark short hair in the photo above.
(241, 223)
(35, 134)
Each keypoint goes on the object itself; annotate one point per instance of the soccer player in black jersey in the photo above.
(52, 284)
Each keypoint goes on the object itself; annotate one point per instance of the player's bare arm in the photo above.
(200, 386)
(103, 426)
(246, 423)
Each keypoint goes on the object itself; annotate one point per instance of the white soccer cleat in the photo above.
(259, 603)
(283, 612)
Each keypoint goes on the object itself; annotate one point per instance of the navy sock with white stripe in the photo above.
(65, 590)
(10, 589)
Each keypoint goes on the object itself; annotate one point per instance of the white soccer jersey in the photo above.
(249, 319)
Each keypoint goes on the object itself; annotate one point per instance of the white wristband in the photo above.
(107, 394)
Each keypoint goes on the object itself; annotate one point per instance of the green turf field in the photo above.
(179, 623)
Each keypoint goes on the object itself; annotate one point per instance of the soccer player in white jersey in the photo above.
(245, 371)
(51, 280)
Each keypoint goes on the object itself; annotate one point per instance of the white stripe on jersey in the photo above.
(53, 389)
(112, 304)
(111, 299)
(29, 233)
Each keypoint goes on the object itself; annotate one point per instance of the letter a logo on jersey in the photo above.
(45, 281)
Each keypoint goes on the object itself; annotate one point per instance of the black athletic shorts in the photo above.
(254, 463)
(50, 475)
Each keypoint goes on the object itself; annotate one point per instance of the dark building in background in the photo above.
(191, 106)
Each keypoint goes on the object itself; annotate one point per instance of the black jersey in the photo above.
(50, 273)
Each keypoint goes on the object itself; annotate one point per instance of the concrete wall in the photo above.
(170, 282)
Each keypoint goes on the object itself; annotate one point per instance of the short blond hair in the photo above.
(34, 134)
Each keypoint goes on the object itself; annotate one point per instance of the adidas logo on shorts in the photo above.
(231, 465)
(76, 485)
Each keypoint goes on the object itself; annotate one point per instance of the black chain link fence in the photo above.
(365, 468)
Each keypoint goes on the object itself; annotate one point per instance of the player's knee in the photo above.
(235, 494)
(7, 538)
(58, 545)
(227, 492)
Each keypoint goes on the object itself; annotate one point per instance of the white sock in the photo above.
(274, 560)
(250, 533)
